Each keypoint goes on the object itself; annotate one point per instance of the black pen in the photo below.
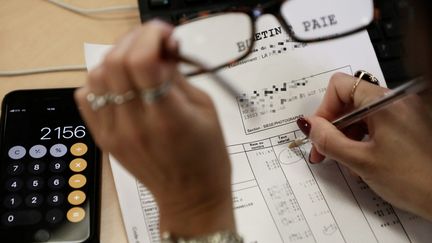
(413, 86)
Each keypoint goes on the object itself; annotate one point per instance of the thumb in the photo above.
(332, 143)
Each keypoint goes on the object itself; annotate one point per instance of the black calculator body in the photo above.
(49, 178)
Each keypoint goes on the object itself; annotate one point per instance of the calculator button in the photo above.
(78, 165)
(54, 216)
(77, 181)
(57, 166)
(15, 168)
(17, 152)
(12, 201)
(56, 182)
(33, 200)
(37, 151)
(76, 197)
(78, 149)
(75, 214)
(28, 217)
(58, 150)
(36, 167)
(55, 199)
(35, 183)
(14, 184)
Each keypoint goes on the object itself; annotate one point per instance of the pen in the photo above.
(413, 86)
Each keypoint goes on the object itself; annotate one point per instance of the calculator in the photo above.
(50, 170)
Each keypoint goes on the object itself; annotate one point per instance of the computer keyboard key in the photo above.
(403, 8)
(159, 3)
(391, 28)
(394, 72)
(374, 32)
(388, 50)
(195, 1)
(387, 8)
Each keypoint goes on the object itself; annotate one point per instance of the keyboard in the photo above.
(386, 36)
(385, 33)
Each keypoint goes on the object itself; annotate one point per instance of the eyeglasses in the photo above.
(224, 37)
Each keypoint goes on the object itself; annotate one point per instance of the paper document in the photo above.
(278, 196)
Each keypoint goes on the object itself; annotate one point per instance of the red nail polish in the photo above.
(304, 126)
(309, 159)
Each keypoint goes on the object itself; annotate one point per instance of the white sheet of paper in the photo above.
(278, 196)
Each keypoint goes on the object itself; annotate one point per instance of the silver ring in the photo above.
(150, 95)
(119, 99)
(97, 101)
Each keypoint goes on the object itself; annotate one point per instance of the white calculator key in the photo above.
(17, 152)
(58, 150)
(37, 151)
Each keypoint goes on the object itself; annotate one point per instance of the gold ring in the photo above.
(363, 75)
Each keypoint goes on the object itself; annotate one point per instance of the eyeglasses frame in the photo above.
(253, 12)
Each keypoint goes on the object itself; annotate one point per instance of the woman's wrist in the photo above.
(186, 215)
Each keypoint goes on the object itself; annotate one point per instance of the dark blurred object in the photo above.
(173, 10)
(387, 35)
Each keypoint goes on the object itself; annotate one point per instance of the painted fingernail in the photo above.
(304, 126)
(309, 159)
(172, 45)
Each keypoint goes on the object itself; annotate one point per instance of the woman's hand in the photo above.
(396, 158)
(173, 145)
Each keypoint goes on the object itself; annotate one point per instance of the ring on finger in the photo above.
(119, 99)
(363, 75)
(151, 95)
(97, 101)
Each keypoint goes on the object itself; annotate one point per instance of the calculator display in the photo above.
(49, 167)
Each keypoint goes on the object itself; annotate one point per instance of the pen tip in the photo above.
(293, 144)
(298, 142)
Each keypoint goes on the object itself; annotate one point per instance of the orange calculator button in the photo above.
(77, 181)
(78, 149)
(78, 165)
(75, 214)
(76, 197)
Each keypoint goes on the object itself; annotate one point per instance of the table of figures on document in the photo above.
(279, 197)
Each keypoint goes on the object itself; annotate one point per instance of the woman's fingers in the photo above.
(150, 66)
(98, 119)
(337, 101)
(338, 95)
(334, 144)
(127, 105)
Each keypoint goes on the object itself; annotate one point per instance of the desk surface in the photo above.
(35, 33)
